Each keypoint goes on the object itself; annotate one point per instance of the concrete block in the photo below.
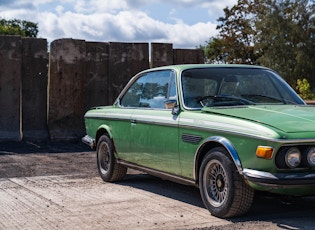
(66, 89)
(10, 88)
(34, 89)
(161, 54)
(126, 59)
(188, 56)
(97, 70)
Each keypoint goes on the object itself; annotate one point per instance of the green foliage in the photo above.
(287, 40)
(236, 39)
(214, 51)
(18, 27)
(304, 89)
(279, 34)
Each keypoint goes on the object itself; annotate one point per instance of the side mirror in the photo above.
(175, 109)
(172, 104)
(169, 104)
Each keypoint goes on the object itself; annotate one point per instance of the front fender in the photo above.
(104, 129)
(217, 140)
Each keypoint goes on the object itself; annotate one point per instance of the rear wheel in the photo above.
(107, 165)
(223, 190)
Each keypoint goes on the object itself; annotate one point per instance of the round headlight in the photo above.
(293, 157)
(311, 157)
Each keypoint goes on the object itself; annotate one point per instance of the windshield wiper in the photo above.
(284, 101)
(224, 100)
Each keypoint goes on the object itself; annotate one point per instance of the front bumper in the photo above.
(280, 180)
(89, 141)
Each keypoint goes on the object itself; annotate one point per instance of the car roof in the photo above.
(198, 66)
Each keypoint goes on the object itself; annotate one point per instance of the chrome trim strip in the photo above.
(157, 173)
(144, 119)
(154, 123)
(116, 116)
(111, 118)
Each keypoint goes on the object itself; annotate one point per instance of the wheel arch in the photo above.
(213, 142)
(103, 130)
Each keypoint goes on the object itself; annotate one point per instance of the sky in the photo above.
(184, 23)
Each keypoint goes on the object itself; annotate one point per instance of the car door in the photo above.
(153, 128)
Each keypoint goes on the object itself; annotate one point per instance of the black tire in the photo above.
(222, 189)
(107, 165)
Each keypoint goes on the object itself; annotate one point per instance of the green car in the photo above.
(229, 129)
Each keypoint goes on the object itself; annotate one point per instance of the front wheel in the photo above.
(223, 190)
(107, 165)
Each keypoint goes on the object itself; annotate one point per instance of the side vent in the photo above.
(194, 139)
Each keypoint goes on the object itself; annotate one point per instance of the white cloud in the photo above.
(97, 6)
(114, 21)
(59, 9)
(216, 7)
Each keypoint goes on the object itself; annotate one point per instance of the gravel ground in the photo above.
(57, 184)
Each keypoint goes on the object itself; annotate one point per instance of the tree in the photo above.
(286, 38)
(235, 43)
(279, 34)
(18, 27)
(304, 89)
(214, 51)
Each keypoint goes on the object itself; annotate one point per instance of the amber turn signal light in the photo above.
(264, 152)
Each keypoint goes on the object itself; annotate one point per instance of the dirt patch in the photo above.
(27, 159)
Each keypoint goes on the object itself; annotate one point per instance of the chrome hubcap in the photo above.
(104, 158)
(215, 182)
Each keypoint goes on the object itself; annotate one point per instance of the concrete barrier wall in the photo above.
(97, 70)
(10, 87)
(126, 59)
(42, 100)
(34, 88)
(184, 56)
(161, 54)
(66, 89)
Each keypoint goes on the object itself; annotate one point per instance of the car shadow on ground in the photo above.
(187, 194)
(285, 212)
(25, 147)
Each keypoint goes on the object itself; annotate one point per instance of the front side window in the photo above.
(151, 90)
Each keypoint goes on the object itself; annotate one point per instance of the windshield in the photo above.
(235, 87)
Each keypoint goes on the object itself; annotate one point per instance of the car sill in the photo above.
(160, 174)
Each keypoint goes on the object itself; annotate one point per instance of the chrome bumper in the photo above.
(89, 141)
(283, 180)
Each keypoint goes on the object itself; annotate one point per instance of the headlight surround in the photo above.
(293, 157)
(311, 157)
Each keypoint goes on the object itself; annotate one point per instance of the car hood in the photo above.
(288, 118)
